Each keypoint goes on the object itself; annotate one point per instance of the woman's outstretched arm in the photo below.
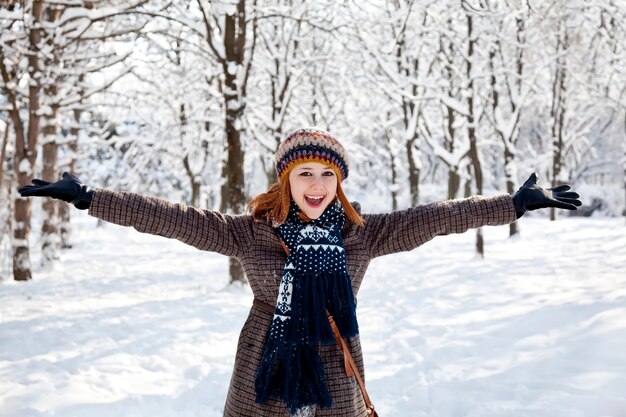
(407, 229)
(204, 229)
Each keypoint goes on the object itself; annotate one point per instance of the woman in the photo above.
(304, 249)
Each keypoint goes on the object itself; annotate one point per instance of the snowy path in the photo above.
(131, 325)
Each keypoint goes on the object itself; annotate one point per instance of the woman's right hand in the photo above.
(530, 196)
(68, 189)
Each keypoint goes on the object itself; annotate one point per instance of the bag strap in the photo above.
(349, 365)
(351, 368)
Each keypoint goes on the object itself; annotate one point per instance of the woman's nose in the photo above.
(317, 181)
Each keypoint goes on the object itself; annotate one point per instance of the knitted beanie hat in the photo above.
(311, 145)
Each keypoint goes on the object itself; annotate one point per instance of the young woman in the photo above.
(304, 249)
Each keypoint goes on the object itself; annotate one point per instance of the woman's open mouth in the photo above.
(314, 200)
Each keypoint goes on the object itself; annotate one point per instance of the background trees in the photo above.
(46, 49)
(433, 99)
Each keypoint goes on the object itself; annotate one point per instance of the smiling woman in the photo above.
(305, 249)
(313, 187)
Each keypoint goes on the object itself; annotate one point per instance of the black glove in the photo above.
(68, 189)
(531, 197)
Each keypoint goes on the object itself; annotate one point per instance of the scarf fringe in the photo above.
(296, 376)
(343, 306)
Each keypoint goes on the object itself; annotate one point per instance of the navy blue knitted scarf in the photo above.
(315, 279)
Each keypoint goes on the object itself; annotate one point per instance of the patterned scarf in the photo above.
(315, 279)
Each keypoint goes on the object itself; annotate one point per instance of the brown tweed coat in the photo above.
(258, 249)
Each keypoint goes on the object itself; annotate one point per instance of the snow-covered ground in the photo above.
(131, 325)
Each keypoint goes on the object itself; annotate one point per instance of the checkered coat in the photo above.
(256, 246)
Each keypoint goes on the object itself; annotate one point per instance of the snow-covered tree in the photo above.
(395, 40)
(38, 38)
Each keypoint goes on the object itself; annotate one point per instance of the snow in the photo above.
(44, 110)
(505, 125)
(71, 13)
(8, 15)
(20, 243)
(25, 167)
(455, 104)
(536, 329)
(103, 11)
(224, 8)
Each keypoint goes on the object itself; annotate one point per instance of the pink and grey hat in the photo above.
(311, 145)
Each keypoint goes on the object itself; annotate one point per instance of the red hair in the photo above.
(274, 204)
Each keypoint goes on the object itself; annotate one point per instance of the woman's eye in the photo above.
(310, 174)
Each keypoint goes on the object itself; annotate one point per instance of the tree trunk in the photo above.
(233, 196)
(454, 183)
(51, 243)
(193, 178)
(270, 170)
(5, 195)
(392, 163)
(3, 151)
(471, 129)
(558, 110)
(280, 81)
(507, 142)
(414, 173)
(510, 184)
(65, 227)
(509, 157)
(394, 182)
(50, 247)
(182, 124)
(454, 179)
(26, 148)
(21, 253)
(409, 109)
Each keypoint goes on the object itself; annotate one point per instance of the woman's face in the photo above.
(313, 187)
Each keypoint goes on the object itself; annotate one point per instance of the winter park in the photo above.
(293, 208)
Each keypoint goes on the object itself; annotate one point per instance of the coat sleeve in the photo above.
(207, 230)
(405, 230)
